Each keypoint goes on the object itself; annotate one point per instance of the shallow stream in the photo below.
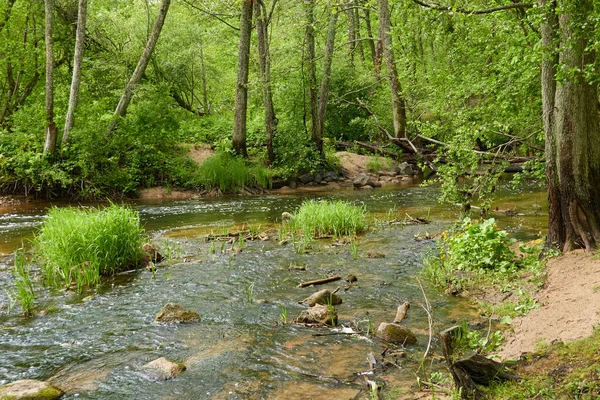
(95, 343)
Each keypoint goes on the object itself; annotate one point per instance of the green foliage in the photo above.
(376, 164)
(25, 293)
(322, 218)
(80, 245)
(230, 173)
(480, 342)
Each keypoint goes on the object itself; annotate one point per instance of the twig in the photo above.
(320, 281)
(427, 308)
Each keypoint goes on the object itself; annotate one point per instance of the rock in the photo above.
(406, 169)
(396, 333)
(361, 180)
(173, 313)
(366, 187)
(278, 184)
(323, 297)
(375, 254)
(330, 176)
(318, 178)
(318, 314)
(351, 278)
(293, 185)
(305, 178)
(29, 389)
(285, 188)
(164, 369)
(388, 174)
(286, 215)
(152, 252)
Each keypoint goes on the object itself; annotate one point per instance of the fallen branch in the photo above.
(320, 281)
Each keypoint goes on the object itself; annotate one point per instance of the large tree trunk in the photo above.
(265, 77)
(351, 31)
(398, 104)
(51, 130)
(324, 92)
(370, 35)
(311, 70)
(121, 109)
(241, 92)
(77, 61)
(205, 102)
(572, 132)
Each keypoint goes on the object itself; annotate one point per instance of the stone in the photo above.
(396, 333)
(322, 297)
(366, 187)
(305, 178)
(362, 180)
(29, 389)
(151, 251)
(293, 185)
(375, 254)
(387, 174)
(318, 178)
(351, 278)
(286, 215)
(406, 169)
(330, 176)
(173, 313)
(163, 369)
(318, 314)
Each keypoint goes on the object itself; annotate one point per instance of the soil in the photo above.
(569, 306)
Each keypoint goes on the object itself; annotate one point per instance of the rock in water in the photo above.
(151, 251)
(396, 333)
(164, 369)
(173, 313)
(318, 314)
(29, 389)
(323, 297)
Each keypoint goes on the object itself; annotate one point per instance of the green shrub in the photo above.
(78, 246)
(321, 218)
(230, 173)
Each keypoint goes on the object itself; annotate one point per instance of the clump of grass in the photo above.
(323, 218)
(80, 245)
(25, 293)
(230, 173)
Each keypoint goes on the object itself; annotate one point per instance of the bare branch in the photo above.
(440, 7)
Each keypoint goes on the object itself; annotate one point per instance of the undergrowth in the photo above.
(77, 246)
(230, 173)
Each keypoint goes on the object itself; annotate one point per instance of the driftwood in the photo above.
(475, 370)
(320, 281)
(401, 312)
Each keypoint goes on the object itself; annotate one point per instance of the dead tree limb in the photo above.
(320, 281)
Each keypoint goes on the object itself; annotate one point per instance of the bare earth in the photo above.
(569, 305)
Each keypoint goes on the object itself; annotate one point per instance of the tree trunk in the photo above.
(351, 31)
(324, 92)
(265, 77)
(311, 71)
(121, 109)
(370, 35)
(357, 35)
(572, 130)
(205, 102)
(77, 61)
(398, 104)
(241, 92)
(51, 130)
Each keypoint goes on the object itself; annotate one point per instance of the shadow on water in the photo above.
(93, 345)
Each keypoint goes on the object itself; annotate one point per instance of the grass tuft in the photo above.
(230, 174)
(78, 246)
(323, 218)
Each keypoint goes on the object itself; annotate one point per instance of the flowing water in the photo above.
(94, 344)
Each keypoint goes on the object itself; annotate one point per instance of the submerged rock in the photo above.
(151, 253)
(396, 333)
(164, 369)
(173, 313)
(29, 389)
(318, 314)
(324, 297)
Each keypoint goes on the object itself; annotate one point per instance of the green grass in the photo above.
(80, 245)
(323, 218)
(25, 293)
(230, 173)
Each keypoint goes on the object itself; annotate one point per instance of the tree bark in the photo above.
(265, 77)
(311, 70)
(572, 129)
(398, 104)
(241, 93)
(121, 109)
(77, 61)
(206, 104)
(370, 35)
(325, 79)
(351, 31)
(51, 130)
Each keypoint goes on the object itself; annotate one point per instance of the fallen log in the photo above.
(320, 281)
(472, 371)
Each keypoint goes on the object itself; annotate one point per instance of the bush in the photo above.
(78, 246)
(321, 218)
(230, 173)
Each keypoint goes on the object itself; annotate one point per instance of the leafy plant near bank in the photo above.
(77, 246)
(476, 255)
(323, 218)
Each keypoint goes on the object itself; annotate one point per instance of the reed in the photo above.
(78, 246)
(324, 218)
(230, 174)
